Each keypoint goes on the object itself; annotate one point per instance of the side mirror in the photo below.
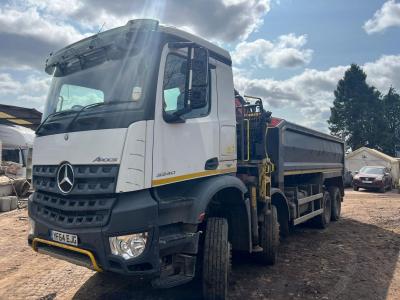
(356, 172)
(197, 79)
(196, 73)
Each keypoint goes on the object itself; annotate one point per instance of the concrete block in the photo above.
(5, 189)
(8, 203)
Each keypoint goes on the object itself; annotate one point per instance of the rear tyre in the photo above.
(216, 260)
(355, 188)
(269, 238)
(284, 226)
(336, 202)
(322, 221)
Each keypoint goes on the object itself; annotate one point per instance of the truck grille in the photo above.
(89, 179)
(88, 204)
(72, 212)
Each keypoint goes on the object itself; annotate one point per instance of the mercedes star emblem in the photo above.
(65, 178)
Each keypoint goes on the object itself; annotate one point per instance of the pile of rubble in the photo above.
(13, 188)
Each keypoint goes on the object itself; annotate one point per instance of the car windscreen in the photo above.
(372, 170)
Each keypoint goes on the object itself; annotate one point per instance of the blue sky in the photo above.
(334, 29)
(289, 52)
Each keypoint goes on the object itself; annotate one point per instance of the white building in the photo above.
(370, 157)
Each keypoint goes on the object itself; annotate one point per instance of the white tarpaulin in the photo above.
(13, 137)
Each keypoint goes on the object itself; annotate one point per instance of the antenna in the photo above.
(101, 28)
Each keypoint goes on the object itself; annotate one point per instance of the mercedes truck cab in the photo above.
(131, 114)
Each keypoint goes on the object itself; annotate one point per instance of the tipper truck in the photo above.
(148, 164)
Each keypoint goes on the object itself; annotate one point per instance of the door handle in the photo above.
(212, 164)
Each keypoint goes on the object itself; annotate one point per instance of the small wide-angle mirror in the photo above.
(198, 98)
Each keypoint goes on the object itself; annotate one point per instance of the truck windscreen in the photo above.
(97, 79)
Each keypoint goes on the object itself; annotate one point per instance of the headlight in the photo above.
(128, 246)
(31, 226)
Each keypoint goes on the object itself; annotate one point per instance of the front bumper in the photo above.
(372, 185)
(132, 213)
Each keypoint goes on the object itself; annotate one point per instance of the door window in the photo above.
(174, 83)
(174, 88)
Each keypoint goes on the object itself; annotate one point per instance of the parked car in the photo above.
(373, 177)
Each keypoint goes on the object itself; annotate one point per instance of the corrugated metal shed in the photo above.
(15, 115)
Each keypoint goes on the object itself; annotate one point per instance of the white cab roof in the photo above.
(198, 40)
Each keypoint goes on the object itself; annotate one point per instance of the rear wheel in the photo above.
(216, 260)
(269, 238)
(336, 202)
(322, 221)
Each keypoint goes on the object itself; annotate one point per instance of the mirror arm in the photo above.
(189, 77)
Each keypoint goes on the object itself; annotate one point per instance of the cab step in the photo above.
(186, 266)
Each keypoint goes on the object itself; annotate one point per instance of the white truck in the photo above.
(145, 165)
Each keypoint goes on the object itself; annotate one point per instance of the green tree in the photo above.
(355, 114)
(391, 117)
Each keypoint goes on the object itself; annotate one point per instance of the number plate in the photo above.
(64, 238)
(366, 181)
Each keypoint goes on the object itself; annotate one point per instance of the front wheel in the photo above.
(269, 238)
(355, 188)
(216, 260)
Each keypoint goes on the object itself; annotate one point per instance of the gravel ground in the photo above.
(355, 258)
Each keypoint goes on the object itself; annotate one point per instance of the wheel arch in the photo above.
(279, 200)
(224, 196)
(337, 182)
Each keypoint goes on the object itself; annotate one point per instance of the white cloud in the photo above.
(28, 37)
(8, 85)
(55, 6)
(387, 16)
(30, 92)
(384, 73)
(31, 23)
(311, 92)
(31, 29)
(287, 51)
(223, 20)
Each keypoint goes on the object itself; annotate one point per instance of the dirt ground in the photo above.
(355, 258)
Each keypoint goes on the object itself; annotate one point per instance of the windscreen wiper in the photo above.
(90, 106)
(55, 114)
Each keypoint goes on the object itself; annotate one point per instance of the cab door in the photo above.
(188, 147)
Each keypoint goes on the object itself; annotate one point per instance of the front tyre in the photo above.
(269, 238)
(216, 260)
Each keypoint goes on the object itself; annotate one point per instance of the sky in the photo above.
(289, 52)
